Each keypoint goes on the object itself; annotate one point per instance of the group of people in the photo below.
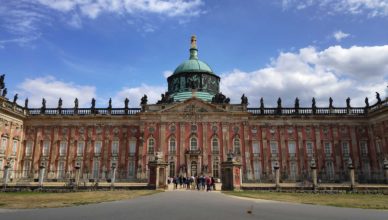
(202, 182)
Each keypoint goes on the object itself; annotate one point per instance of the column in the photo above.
(277, 174)
(351, 174)
(313, 167)
(41, 174)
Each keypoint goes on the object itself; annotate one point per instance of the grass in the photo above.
(364, 201)
(23, 200)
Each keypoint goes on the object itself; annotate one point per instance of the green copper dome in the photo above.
(193, 77)
(192, 66)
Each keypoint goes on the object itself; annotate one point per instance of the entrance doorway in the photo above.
(193, 168)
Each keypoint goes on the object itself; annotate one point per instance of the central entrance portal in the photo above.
(193, 168)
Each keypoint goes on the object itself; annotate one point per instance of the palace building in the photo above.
(194, 127)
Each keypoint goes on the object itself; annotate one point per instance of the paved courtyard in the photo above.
(194, 205)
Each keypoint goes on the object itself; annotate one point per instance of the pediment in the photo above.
(193, 105)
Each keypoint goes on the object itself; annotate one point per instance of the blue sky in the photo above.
(126, 48)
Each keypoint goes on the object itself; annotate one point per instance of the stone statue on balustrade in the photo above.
(144, 100)
(348, 103)
(297, 103)
(378, 98)
(331, 103)
(126, 102)
(110, 103)
(244, 100)
(60, 103)
(76, 103)
(220, 98)
(15, 98)
(93, 103)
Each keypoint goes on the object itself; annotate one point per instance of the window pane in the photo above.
(291, 147)
(255, 148)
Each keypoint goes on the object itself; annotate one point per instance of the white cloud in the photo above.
(134, 94)
(52, 89)
(93, 8)
(371, 8)
(167, 73)
(25, 18)
(336, 72)
(339, 35)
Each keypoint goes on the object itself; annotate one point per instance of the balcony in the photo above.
(193, 152)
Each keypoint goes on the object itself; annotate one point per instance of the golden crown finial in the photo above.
(193, 41)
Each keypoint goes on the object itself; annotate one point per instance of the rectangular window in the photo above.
(345, 149)
(62, 148)
(61, 170)
(15, 147)
(330, 170)
(291, 148)
(96, 166)
(216, 168)
(364, 148)
(293, 171)
(26, 168)
(256, 148)
(46, 148)
(29, 148)
(131, 168)
(309, 149)
(274, 148)
(328, 151)
(132, 147)
(256, 169)
(80, 148)
(97, 147)
(1, 165)
(3, 146)
(115, 147)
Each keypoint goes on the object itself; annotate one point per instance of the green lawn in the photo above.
(22, 200)
(364, 201)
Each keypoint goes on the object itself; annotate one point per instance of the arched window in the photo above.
(236, 145)
(172, 146)
(215, 147)
(193, 143)
(151, 146)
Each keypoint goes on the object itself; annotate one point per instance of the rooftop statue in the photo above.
(348, 103)
(60, 103)
(144, 100)
(279, 103)
(244, 100)
(76, 103)
(15, 98)
(110, 103)
(126, 101)
(378, 98)
(331, 103)
(26, 103)
(313, 105)
(261, 102)
(296, 103)
(366, 102)
(43, 104)
(93, 103)
(2, 84)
